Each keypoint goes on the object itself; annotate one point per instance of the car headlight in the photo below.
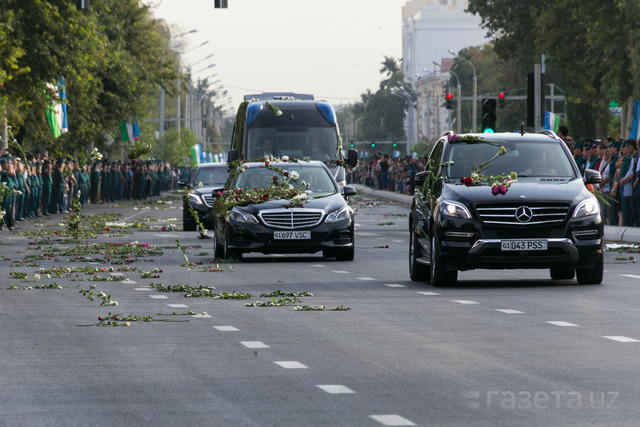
(454, 210)
(240, 216)
(587, 207)
(339, 215)
(194, 198)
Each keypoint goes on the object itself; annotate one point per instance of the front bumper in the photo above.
(259, 238)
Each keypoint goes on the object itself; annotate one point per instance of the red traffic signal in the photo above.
(448, 103)
(501, 100)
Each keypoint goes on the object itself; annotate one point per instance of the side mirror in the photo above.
(420, 178)
(183, 182)
(592, 176)
(352, 158)
(349, 190)
(232, 156)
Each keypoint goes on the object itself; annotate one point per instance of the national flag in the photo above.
(62, 118)
(136, 131)
(53, 112)
(126, 131)
(551, 121)
(196, 151)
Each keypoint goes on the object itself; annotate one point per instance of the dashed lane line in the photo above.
(226, 328)
(291, 364)
(621, 339)
(158, 296)
(429, 294)
(178, 305)
(254, 344)
(560, 323)
(394, 285)
(335, 388)
(509, 311)
(465, 301)
(392, 420)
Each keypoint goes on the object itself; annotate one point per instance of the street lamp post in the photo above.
(474, 109)
(161, 121)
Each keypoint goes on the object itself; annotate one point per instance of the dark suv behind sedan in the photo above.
(207, 178)
(546, 218)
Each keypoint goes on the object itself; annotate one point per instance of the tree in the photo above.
(593, 45)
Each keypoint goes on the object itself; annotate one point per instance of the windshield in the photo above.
(317, 143)
(527, 159)
(211, 176)
(317, 179)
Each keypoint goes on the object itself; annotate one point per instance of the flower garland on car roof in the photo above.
(285, 185)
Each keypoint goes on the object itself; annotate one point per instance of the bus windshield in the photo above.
(317, 143)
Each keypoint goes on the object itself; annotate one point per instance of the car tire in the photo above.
(231, 253)
(188, 223)
(345, 254)
(562, 273)
(418, 272)
(591, 276)
(440, 276)
(218, 248)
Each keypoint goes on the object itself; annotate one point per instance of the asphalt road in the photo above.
(501, 348)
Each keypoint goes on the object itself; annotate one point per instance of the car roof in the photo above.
(511, 136)
(284, 165)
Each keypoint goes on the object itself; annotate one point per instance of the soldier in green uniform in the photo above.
(57, 187)
(8, 203)
(47, 186)
(578, 157)
(38, 184)
(21, 187)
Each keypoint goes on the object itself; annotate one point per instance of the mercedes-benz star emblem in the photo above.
(524, 214)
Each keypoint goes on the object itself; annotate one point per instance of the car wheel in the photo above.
(591, 276)
(345, 254)
(188, 223)
(218, 247)
(231, 253)
(562, 273)
(439, 274)
(418, 272)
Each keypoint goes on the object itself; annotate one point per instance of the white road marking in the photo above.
(291, 364)
(117, 274)
(335, 388)
(560, 323)
(465, 301)
(509, 311)
(178, 305)
(394, 285)
(392, 420)
(141, 289)
(622, 339)
(362, 233)
(163, 234)
(366, 278)
(129, 281)
(159, 296)
(226, 328)
(632, 276)
(398, 241)
(428, 293)
(254, 344)
(317, 265)
(340, 272)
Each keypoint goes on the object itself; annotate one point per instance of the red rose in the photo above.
(467, 181)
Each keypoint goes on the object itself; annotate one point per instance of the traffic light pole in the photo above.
(474, 110)
(459, 109)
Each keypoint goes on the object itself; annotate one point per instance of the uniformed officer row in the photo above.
(46, 186)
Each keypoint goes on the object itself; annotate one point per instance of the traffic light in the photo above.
(448, 103)
(501, 100)
(488, 115)
(220, 4)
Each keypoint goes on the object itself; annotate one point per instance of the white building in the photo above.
(430, 28)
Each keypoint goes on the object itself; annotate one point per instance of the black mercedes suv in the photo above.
(504, 201)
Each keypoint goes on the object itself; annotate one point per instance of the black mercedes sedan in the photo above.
(505, 201)
(285, 207)
(207, 178)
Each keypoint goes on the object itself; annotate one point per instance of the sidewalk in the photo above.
(612, 234)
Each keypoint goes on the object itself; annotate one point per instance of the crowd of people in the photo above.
(386, 173)
(39, 185)
(617, 162)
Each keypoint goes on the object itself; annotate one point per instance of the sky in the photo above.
(330, 48)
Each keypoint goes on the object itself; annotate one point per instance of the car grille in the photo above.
(209, 200)
(291, 218)
(543, 213)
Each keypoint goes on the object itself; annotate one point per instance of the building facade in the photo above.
(430, 28)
